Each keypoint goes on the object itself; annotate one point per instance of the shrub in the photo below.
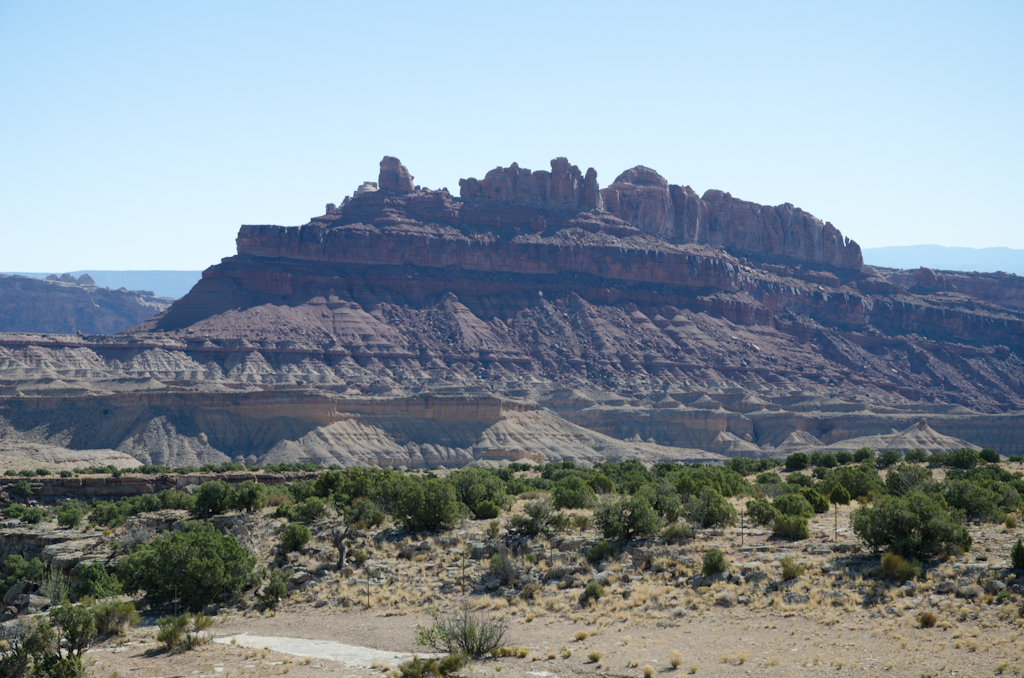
(486, 510)
(493, 529)
(915, 456)
(965, 458)
(927, 620)
(75, 628)
(859, 481)
(213, 497)
(628, 519)
(824, 459)
(538, 514)
(761, 512)
(363, 514)
(647, 670)
(431, 668)
(462, 631)
(595, 656)
(1017, 555)
(898, 569)
(800, 480)
(790, 568)
(600, 551)
(31, 515)
(989, 456)
(56, 586)
(309, 509)
(889, 457)
(975, 499)
(294, 537)
(864, 454)
(428, 504)
(839, 495)
(818, 503)
(21, 489)
(675, 659)
(572, 493)
(903, 478)
(114, 513)
(276, 588)
(1011, 522)
(592, 592)
(70, 514)
(184, 632)
(250, 496)
(476, 485)
(707, 508)
(94, 581)
(797, 461)
(843, 457)
(17, 569)
(791, 527)
(794, 505)
(913, 525)
(768, 478)
(195, 565)
(677, 532)
(503, 569)
(581, 522)
(558, 522)
(113, 616)
(713, 563)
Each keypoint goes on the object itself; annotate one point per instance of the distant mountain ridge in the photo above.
(984, 259)
(172, 284)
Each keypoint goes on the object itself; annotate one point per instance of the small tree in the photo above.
(571, 492)
(1017, 555)
(294, 537)
(797, 461)
(628, 519)
(212, 498)
(21, 489)
(713, 563)
(428, 504)
(912, 526)
(76, 629)
(838, 496)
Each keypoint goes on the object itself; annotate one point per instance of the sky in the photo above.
(140, 135)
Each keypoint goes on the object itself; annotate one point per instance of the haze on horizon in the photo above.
(140, 136)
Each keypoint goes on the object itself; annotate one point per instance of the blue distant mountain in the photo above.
(172, 284)
(982, 260)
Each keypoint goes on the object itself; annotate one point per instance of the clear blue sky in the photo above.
(139, 135)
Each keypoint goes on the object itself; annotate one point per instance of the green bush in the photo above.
(794, 505)
(600, 551)
(791, 527)
(70, 514)
(428, 504)
(17, 569)
(713, 563)
(707, 509)
(21, 489)
(461, 631)
(538, 515)
(196, 565)
(94, 581)
(989, 456)
(824, 459)
(503, 568)
(363, 514)
(249, 496)
(912, 526)
(768, 478)
(476, 485)
(677, 532)
(1017, 555)
(797, 461)
(860, 481)
(593, 591)
(627, 519)
(904, 478)
(212, 498)
(572, 493)
(864, 454)
(815, 499)
(761, 512)
(487, 510)
(839, 495)
(294, 537)
(276, 588)
(915, 456)
(115, 513)
(307, 510)
(898, 569)
(184, 632)
(31, 515)
(790, 568)
(843, 457)
(114, 617)
(431, 668)
(975, 499)
(889, 457)
(75, 628)
(965, 458)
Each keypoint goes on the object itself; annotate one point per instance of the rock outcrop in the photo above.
(68, 304)
(534, 318)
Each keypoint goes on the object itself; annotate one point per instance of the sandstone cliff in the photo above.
(68, 305)
(537, 317)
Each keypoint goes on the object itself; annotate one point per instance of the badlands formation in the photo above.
(536, 316)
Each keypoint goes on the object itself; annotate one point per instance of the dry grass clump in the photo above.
(647, 670)
(595, 656)
(927, 620)
(675, 659)
(581, 636)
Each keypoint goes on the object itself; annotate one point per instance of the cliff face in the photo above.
(69, 305)
(537, 317)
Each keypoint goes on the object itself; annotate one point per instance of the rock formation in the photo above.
(535, 318)
(68, 305)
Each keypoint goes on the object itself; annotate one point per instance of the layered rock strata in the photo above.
(537, 317)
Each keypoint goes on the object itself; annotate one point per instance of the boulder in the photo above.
(394, 176)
